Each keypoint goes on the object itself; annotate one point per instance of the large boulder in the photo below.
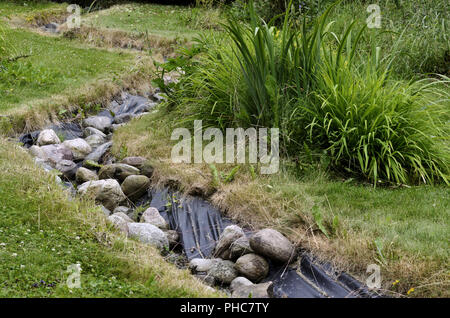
(149, 234)
(107, 192)
(229, 235)
(84, 175)
(80, 148)
(240, 247)
(272, 244)
(252, 266)
(135, 186)
(117, 171)
(223, 271)
(48, 137)
(101, 123)
(152, 216)
(119, 223)
(263, 290)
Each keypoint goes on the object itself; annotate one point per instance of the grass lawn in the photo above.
(42, 232)
(173, 22)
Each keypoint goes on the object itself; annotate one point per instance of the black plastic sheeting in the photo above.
(67, 131)
(199, 225)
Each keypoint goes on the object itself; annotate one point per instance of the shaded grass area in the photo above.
(42, 232)
(404, 230)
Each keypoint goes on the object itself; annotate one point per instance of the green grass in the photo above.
(42, 232)
(10, 7)
(55, 65)
(173, 22)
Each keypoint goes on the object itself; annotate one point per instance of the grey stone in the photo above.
(68, 168)
(240, 247)
(84, 175)
(107, 192)
(117, 171)
(105, 210)
(223, 271)
(272, 244)
(95, 141)
(55, 153)
(123, 118)
(135, 186)
(252, 266)
(200, 265)
(89, 131)
(206, 279)
(79, 147)
(101, 123)
(134, 161)
(152, 216)
(98, 153)
(48, 137)
(229, 235)
(149, 234)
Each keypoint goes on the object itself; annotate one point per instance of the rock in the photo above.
(152, 216)
(272, 244)
(89, 164)
(252, 266)
(98, 153)
(223, 271)
(135, 186)
(173, 238)
(55, 153)
(43, 164)
(89, 131)
(107, 192)
(80, 148)
(240, 247)
(149, 234)
(95, 141)
(201, 265)
(119, 223)
(122, 209)
(68, 168)
(229, 235)
(263, 290)
(48, 137)
(84, 175)
(101, 123)
(136, 162)
(123, 118)
(117, 171)
(125, 217)
(239, 282)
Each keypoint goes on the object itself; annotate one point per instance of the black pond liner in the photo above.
(199, 225)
